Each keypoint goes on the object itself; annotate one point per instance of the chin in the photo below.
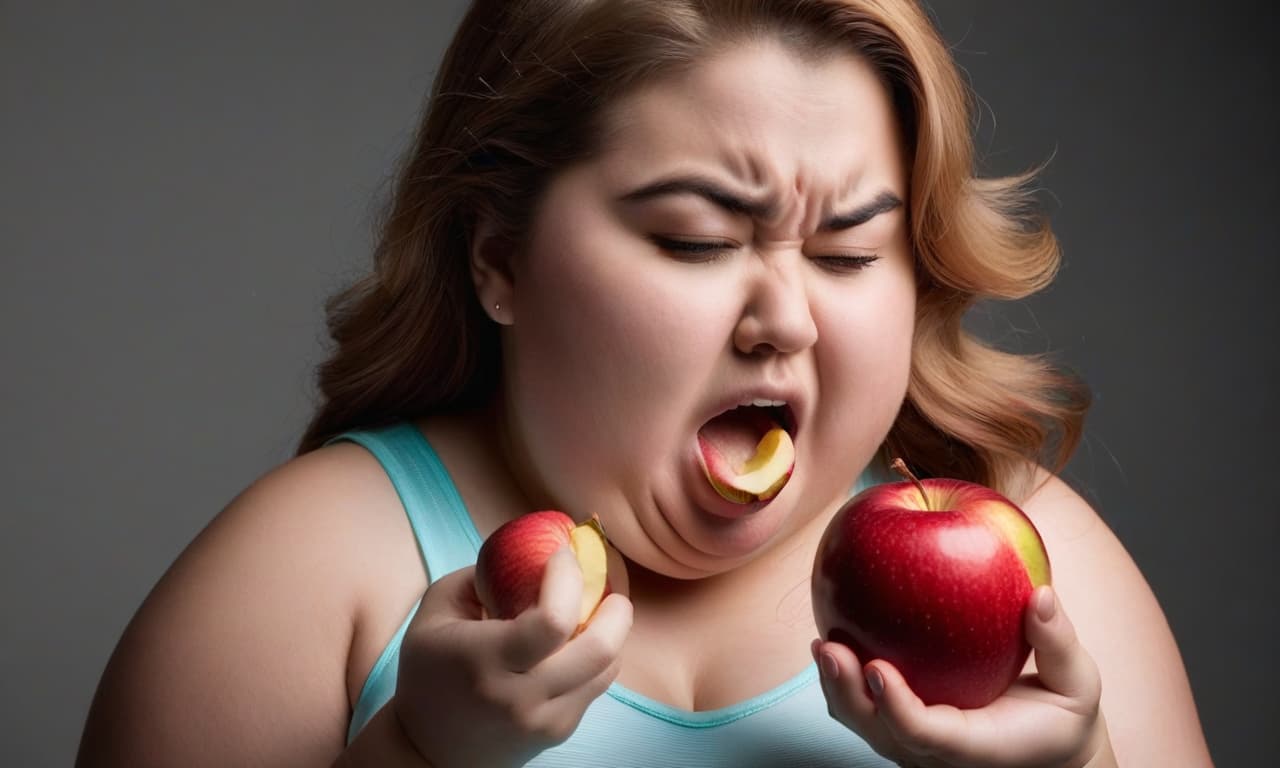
(698, 535)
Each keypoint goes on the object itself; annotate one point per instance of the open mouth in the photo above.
(747, 453)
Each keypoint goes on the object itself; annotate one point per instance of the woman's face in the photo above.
(739, 238)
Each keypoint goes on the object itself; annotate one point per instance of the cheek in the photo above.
(865, 372)
(598, 379)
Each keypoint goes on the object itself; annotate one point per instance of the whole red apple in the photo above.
(933, 576)
(513, 559)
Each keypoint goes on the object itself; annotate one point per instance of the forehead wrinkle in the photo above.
(798, 206)
(773, 150)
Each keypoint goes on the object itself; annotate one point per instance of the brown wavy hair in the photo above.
(522, 93)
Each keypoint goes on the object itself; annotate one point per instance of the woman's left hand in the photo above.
(1051, 718)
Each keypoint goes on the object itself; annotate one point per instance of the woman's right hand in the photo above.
(474, 691)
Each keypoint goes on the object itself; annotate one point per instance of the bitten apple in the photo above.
(513, 559)
(760, 477)
(933, 576)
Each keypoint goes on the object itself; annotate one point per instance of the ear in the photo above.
(491, 271)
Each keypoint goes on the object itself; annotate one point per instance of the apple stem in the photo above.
(901, 468)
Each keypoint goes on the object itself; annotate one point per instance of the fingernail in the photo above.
(1045, 605)
(830, 669)
(875, 682)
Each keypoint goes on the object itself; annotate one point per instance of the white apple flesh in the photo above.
(757, 479)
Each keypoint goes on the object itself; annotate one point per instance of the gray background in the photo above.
(181, 185)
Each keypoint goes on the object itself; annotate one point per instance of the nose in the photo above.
(777, 317)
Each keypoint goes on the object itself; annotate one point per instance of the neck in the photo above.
(776, 581)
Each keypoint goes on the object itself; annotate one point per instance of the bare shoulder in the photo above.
(1146, 696)
(239, 654)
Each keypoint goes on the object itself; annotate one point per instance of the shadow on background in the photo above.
(181, 188)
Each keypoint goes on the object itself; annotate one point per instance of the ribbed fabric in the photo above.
(787, 726)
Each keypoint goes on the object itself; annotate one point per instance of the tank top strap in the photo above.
(877, 472)
(446, 536)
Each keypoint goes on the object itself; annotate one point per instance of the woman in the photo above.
(626, 227)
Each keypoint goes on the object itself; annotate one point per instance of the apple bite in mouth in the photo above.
(747, 453)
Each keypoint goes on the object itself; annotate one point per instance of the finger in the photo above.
(587, 690)
(570, 705)
(540, 630)
(589, 654)
(555, 720)
(575, 701)
(919, 729)
(452, 596)
(1062, 663)
(840, 674)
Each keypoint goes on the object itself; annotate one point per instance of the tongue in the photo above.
(735, 434)
(746, 456)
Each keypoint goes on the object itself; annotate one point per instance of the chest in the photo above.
(787, 726)
(714, 651)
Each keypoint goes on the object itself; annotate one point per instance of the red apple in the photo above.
(513, 559)
(933, 576)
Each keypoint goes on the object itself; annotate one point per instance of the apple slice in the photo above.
(760, 477)
(513, 560)
(587, 542)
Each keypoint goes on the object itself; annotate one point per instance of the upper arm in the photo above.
(1146, 697)
(238, 655)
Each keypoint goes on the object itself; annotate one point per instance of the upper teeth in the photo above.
(762, 403)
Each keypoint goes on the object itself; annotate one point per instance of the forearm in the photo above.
(382, 743)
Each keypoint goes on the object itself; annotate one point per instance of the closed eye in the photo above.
(694, 250)
(845, 264)
(702, 251)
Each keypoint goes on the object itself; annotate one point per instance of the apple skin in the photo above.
(513, 559)
(938, 588)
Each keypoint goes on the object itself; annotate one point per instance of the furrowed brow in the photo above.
(706, 189)
(882, 203)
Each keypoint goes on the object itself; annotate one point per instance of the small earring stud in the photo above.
(497, 307)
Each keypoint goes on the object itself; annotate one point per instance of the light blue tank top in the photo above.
(787, 726)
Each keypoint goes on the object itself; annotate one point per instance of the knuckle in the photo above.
(554, 624)
(596, 652)
(557, 731)
(539, 725)
(613, 643)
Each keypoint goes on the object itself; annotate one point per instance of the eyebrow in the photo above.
(882, 203)
(765, 208)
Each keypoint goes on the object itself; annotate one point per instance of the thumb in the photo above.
(544, 627)
(1062, 663)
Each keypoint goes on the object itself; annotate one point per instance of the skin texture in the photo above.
(256, 643)
(593, 305)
